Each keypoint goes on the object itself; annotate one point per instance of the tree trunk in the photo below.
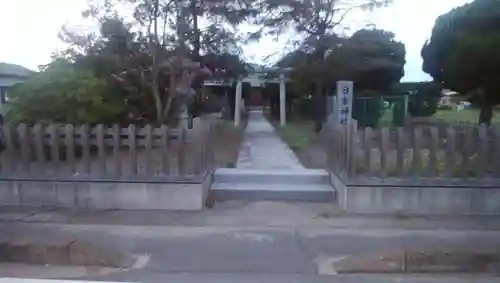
(158, 106)
(486, 109)
(171, 95)
(486, 114)
(198, 82)
(317, 106)
(318, 101)
(196, 31)
(155, 73)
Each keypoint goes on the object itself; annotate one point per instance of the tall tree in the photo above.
(194, 39)
(462, 53)
(316, 23)
(167, 28)
(372, 58)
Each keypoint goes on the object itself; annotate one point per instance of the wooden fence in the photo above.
(428, 151)
(113, 153)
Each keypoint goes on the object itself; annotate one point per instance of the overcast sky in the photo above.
(29, 29)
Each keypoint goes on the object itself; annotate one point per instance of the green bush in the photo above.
(61, 94)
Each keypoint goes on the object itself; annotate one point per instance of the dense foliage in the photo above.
(63, 94)
(423, 97)
(372, 58)
(462, 53)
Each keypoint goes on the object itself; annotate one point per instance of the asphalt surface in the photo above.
(253, 242)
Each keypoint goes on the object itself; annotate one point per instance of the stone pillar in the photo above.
(237, 103)
(282, 100)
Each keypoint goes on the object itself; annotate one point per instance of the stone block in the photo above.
(176, 196)
(9, 194)
(420, 200)
(486, 201)
(141, 196)
(66, 194)
(105, 195)
(37, 193)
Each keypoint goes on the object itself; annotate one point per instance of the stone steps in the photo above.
(284, 185)
(255, 176)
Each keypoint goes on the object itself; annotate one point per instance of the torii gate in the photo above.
(281, 80)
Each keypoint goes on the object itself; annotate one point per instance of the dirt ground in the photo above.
(227, 140)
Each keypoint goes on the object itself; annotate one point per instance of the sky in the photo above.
(30, 36)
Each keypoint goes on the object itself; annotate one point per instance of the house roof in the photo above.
(449, 92)
(14, 70)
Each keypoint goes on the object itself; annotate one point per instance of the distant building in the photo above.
(447, 98)
(10, 75)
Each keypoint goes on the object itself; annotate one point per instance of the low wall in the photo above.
(101, 195)
(386, 197)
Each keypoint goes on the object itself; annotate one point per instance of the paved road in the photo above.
(262, 148)
(153, 277)
(252, 214)
(249, 253)
(297, 278)
(246, 242)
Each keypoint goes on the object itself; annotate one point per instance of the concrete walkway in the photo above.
(263, 149)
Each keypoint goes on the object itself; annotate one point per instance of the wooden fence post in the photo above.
(483, 150)
(54, 148)
(384, 149)
(450, 152)
(85, 142)
(165, 156)
(466, 150)
(181, 137)
(368, 133)
(24, 139)
(148, 166)
(101, 150)
(433, 152)
(9, 134)
(69, 140)
(400, 151)
(39, 134)
(117, 146)
(417, 151)
(352, 147)
(132, 150)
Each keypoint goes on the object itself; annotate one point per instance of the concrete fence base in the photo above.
(415, 200)
(105, 195)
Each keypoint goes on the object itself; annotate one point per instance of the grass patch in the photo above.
(298, 134)
(306, 144)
